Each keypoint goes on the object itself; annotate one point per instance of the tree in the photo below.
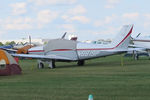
(45, 42)
(7, 43)
(1, 44)
(10, 43)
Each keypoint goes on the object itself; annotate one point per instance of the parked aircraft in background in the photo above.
(6, 47)
(19, 48)
(143, 44)
(69, 50)
(21, 45)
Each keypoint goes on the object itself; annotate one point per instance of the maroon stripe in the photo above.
(63, 50)
(142, 40)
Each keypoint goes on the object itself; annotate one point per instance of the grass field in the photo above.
(105, 78)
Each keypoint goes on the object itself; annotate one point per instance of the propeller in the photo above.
(138, 35)
(64, 35)
(30, 40)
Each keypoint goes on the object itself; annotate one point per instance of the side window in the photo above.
(2, 64)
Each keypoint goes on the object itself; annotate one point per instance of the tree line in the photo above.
(8, 43)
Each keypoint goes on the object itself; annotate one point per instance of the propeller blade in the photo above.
(64, 35)
(30, 40)
(138, 35)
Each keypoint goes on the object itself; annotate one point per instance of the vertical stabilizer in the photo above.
(122, 39)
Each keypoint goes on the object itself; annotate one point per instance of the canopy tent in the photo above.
(8, 65)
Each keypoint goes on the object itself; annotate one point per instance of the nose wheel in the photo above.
(40, 65)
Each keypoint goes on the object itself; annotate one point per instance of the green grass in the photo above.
(105, 78)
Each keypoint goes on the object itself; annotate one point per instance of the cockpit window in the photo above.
(2, 64)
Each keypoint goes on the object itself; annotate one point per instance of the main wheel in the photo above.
(40, 65)
(52, 64)
(81, 62)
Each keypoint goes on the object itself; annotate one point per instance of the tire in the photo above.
(40, 66)
(53, 64)
(81, 63)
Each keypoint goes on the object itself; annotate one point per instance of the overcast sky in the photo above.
(88, 19)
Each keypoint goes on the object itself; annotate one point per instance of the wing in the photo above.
(127, 50)
(140, 46)
(136, 49)
(10, 50)
(40, 56)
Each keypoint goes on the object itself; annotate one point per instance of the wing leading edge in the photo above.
(41, 56)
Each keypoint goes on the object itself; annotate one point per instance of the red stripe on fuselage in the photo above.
(63, 50)
(142, 40)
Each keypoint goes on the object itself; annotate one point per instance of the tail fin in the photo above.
(122, 39)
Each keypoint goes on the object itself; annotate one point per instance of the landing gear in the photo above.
(52, 64)
(135, 55)
(81, 62)
(149, 54)
(40, 65)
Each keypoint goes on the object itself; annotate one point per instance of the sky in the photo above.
(88, 19)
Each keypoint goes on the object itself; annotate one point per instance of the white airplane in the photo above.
(142, 46)
(141, 42)
(69, 50)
